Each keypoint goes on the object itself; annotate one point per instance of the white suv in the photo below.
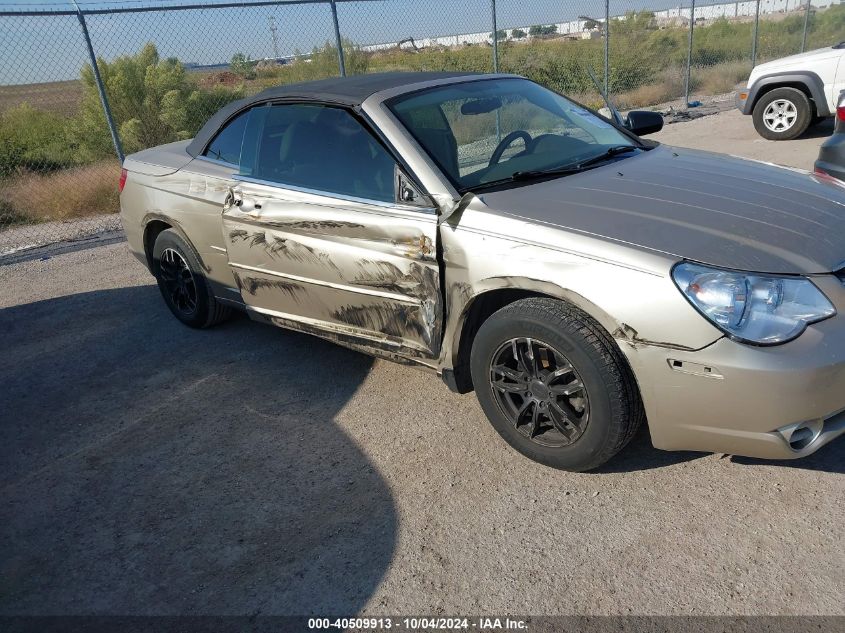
(787, 95)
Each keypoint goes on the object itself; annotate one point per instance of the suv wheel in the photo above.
(183, 284)
(782, 114)
(554, 385)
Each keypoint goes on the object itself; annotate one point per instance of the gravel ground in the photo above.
(147, 468)
(22, 238)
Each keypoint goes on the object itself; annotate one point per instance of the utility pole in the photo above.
(274, 35)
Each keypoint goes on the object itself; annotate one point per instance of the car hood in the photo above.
(710, 208)
(799, 59)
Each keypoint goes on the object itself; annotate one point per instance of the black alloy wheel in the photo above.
(540, 392)
(178, 281)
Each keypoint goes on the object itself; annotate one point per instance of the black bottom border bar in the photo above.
(533, 624)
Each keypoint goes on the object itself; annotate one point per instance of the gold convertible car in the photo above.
(578, 278)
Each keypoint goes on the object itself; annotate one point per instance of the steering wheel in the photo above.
(506, 142)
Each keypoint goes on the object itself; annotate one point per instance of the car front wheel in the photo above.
(183, 284)
(554, 384)
(782, 114)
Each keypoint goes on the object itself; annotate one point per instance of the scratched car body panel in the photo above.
(410, 253)
(375, 268)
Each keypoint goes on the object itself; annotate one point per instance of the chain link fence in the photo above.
(163, 68)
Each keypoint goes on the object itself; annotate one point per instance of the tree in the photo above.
(518, 34)
(242, 65)
(501, 35)
(589, 25)
(153, 101)
(635, 22)
(539, 30)
(324, 60)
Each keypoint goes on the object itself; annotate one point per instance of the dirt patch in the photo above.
(223, 78)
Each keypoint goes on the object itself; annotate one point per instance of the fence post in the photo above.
(689, 54)
(806, 25)
(607, 48)
(495, 38)
(754, 42)
(340, 61)
(104, 100)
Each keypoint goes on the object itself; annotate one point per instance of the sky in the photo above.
(50, 48)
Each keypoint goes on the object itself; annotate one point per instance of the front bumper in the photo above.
(741, 99)
(744, 400)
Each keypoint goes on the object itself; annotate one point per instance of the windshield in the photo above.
(483, 132)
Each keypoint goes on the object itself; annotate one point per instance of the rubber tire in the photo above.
(802, 105)
(616, 410)
(209, 311)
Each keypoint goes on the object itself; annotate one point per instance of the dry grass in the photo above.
(719, 79)
(668, 86)
(61, 195)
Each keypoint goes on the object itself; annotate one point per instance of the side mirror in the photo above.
(642, 122)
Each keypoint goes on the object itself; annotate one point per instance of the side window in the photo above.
(226, 146)
(325, 149)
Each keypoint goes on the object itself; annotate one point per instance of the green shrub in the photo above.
(153, 101)
(242, 65)
(33, 140)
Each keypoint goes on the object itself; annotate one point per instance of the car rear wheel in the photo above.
(554, 384)
(782, 114)
(182, 283)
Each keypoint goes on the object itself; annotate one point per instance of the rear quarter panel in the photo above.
(189, 199)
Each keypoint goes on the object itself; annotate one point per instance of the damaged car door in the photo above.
(319, 240)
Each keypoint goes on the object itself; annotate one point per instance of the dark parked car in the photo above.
(831, 159)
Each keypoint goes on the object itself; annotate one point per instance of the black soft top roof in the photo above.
(348, 91)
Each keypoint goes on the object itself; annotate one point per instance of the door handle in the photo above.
(249, 206)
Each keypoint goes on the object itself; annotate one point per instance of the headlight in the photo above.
(753, 308)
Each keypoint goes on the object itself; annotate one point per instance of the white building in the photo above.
(679, 16)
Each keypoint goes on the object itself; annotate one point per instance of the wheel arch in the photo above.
(154, 224)
(494, 294)
(807, 82)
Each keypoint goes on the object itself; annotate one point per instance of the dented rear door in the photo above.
(358, 271)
